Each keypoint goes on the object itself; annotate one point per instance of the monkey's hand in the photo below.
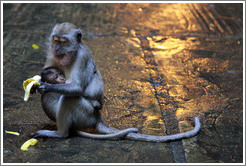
(43, 88)
(29, 84)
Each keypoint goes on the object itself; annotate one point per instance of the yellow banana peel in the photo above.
(12, 132)
(29, 142)
(29, 83)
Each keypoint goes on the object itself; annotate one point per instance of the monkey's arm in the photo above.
(71, 89)
(74, 89)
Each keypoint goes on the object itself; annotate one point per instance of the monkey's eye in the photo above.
(63, 40)
(55, 38)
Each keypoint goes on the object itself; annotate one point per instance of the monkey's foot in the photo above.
(46, 133)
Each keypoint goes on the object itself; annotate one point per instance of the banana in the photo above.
(28, 84)
(29, 142)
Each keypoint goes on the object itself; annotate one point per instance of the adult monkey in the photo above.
(72, 110)
(71, 104)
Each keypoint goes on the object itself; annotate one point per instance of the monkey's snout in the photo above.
(57, 47)
(58, 54)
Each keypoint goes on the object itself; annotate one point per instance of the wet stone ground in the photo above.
(162, 64)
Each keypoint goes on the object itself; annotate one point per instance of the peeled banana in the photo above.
(29, 142)
(29, 83)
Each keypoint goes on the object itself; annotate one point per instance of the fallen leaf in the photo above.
(35, 46)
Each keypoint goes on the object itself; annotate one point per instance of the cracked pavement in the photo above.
(162, 64)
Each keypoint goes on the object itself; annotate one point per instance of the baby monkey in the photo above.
(53, 75)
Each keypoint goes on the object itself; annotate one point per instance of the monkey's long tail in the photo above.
(103, 128)
(116, 135)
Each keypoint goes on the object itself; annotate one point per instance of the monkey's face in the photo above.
(60, 45)
(60, 79)
(55, 78)
(65, 40)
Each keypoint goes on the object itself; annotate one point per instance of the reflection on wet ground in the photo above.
(162, 64)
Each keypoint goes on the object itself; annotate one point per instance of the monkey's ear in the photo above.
(79, 35)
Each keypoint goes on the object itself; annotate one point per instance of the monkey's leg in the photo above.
(64, 118)
(60, 133)
(118, 135)
(63, 121)
(50, 104)
(62, 125)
